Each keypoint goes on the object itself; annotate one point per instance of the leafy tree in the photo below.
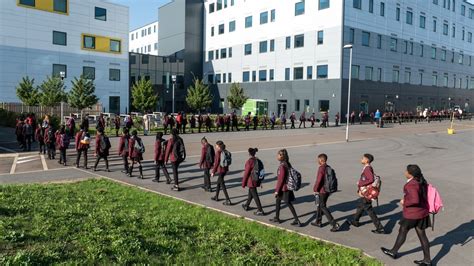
(82, 94)
(27, 92)
(52, 92)
(237, 97)
(143, 96)
(199, 96)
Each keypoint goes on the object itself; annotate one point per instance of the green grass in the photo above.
(101, 222)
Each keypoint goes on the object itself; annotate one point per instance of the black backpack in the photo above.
(51, 137)
(179, 150)
(104, 144)
(258, 172)
(28, 129)
(330, 180)
(210, 154)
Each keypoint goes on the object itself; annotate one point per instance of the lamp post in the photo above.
(449, 103)
(173, 78)
(62, 74)
(348, 46)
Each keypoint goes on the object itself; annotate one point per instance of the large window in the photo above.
(264, 17)
(409, 18)
(115, 46)
(60, 6)
(288, 42)
(297, 105)
(287, 73)
(395, 76)
(88, 72)
(100, 13)
(263, 47)
(299, 41)
(59, 38)
(248, 22)
(219, 5)
(393, 44)
(323, 4)
(114, 74)
(371, 6)
(397, 14)
(223, 53)
(272, 15)
(221, 29)
(322, 72)
(365, 38)
(445, 29)
(368, 73)
(272, 74)
(407, 77)
(57, 69)
(212, 8)
(422, 22)
(254, 76)
(355, 72)
(298, 73)
(210, 55)
(299, 8)
(357, 4)
(27, 2)
(382, 9)
(320, 37)
(433, 52)
(89, 42)
(309, 72)
(246, 76)
(262, 75)
(248, 49)
(232, 26)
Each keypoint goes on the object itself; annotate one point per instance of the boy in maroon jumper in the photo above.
(160, 159)
(366, 178)
(221, 171)
(206, 162)
(320, 192)
(123, 149)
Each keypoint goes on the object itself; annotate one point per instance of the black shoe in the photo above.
(275, 220)
(317, 224)
(129, 174)
(422, 262)
(168, 182)
(245, 207)
(95, 169)
(296, 223)
(107, 170)
(214, 198)
(124, 171)
(156, 180)
(379, 231)
(389, 253)
(354, 223)
(64, 164)
(335, 228)
(174, 188)
(259, 213)
(227, 203)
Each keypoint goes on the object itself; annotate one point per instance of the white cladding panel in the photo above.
(144, 40)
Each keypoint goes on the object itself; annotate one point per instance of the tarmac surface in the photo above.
(446, 161)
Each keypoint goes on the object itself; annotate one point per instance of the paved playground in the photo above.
(446, 160)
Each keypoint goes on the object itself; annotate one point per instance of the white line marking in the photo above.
(12, 170)
(8, 155)
(43, 162)
(26, 157)
(26, 161)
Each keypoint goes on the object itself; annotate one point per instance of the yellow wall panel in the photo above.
(45, 5)
(102, 44)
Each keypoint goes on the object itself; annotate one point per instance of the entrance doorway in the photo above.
(281, 105)
(114, 104)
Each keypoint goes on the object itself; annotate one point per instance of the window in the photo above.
(232, 26)
(434, 25)
(156, 46)
(59, 38)
(395, 76)
(463, 10)
(445, 29)
(211, 8)
(434, 80)
(320, 37)
(351, 36)
(272, 74)
(454, 31)
(230, 52)
(288, 42)
(461, 59)
(379, 74)
(262, 75)
(248, 49)
(221, 29)
(297, 105)
(229, 77)
(323, 4)
(89, 42)
(57, 69)
(469, 37)
(435, 2)
(27, 2)
(433, 52)
(218, 78)
(149, 48)
(299, 41)
(246, 76)
(263, 47)
(297, 73)
(422, 50)
(452, 58)
(224, 78)
(405, 47)
(471, 13)
(397, 14)
(379, 41)
(225, 6)
(272, 15)
(264, 17)
(88, 72)
(393, 44)
(322, 72)
(355, 71)
(407, 77)
(115, 46)
(210, 79)
(368, 73)
(231, 2)
(212, 31)
(219, 5)
(299, 8)
(382, 9)
(446, 80)
(272, 45)
(357, 4)
(422, 22)
(100, 13)
(365, 38)
(254, 76)
(409, 18)
(223, 53)
(287, 73)
(248, 22)
(371, 6)
(210, 55)
(421, 78)
(309, 72)
(132, 37)
(60, 6)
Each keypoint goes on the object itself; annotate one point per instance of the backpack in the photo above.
(330, 180)
(226, 158)
(105, 144)
(258, 172)
(138, 146)
(435, 202)
(294, 180)
(51, 138)
(179, 150)
(210, 154)
(86, 138)
(372, 192)
(64, 141)
(28, 129)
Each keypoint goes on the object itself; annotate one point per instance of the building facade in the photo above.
(40, 38)
(144, 40)
(407, 55)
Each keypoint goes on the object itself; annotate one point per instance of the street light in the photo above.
(62, 75)
(348, 46)
(173, 78)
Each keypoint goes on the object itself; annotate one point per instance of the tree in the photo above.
(237, 97)
(52, 92)
(199, 96)
(27, 93)
(143, 96)
(82, 94)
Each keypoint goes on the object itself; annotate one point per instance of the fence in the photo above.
(41, 111)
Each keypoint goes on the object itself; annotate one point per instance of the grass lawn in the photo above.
(101, 222)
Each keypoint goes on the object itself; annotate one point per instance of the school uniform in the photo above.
(39, 136)
(206, 164)
(415, 208)
(175, 161)
(366, 178)
(101, 154)
(221, 171)
(135, 155)
(81, 148)
(123, 150)
(50, 143)
(247, 181)
(63, 143)
(160, 161)
(283, 193)
(323, 196)
(292, 119)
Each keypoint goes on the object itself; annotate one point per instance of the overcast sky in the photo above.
(142, 11)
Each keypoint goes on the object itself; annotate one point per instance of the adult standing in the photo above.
(221, 167)
(248, 181)
(124, 149)
(146, 124)
(176, 153)
(82, 144)
(159, 158)
(102, 147)
(206, 163)
(135, 151)
(281, 190)
(415, 214)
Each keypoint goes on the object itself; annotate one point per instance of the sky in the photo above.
(142, 12)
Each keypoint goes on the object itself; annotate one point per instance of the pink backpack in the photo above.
(435, 203)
